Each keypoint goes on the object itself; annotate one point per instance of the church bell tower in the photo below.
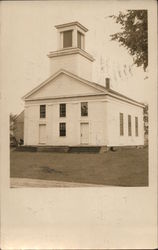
(71, 54)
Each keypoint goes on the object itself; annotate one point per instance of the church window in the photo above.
(84, 108)
(129, 125)
(42, 111)
(121, 124)
(80, 40)
(67, 39)
(62, 110)
(136, 126)
(62, 129)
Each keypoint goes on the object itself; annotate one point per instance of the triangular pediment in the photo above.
(64, 84)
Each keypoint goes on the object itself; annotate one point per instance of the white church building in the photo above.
(69, 109)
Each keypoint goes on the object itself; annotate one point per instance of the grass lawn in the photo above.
(124, 167)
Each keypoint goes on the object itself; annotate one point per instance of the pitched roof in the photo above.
(111, 91)
(20, 115)
(63, 71)
(95, 85)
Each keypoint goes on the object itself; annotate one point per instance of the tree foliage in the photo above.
(12, 123)
(134, 34)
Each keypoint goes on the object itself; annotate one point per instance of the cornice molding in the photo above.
(71, 24)
(70, 51)
(94, 96)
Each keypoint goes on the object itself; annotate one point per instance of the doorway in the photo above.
(84, 133)
(42, 133)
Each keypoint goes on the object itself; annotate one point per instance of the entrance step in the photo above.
(27, 148)
(84, 149)
(61, 149)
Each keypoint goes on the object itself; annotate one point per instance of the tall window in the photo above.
(121, 124)
(62, 129)
(136, 126)
(129, 125)
(42, 111)
(84, 108)
(67, 39)
(62, 110)
(80, 40)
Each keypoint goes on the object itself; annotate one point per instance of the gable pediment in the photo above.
(63, 84)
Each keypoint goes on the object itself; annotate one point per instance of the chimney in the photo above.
(107, 83)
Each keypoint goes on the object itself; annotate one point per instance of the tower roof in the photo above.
(71, 24)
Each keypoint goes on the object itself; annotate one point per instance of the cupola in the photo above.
(71, 35)
(71, 54)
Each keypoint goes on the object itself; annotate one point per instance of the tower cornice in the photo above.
(71, 24)
(71, 51)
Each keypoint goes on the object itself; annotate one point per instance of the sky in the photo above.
(28, 35)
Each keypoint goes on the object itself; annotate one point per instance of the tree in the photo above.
(12, 123)
(146, 123)
(134, 34)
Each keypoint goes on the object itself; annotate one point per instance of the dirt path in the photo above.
(24, 182)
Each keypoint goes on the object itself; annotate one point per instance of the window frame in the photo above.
(136, 126)
(81, 35)
(62, 132)
(121, 124)
(82, 115)
(64, 32)
(60, 110)
(42, 112)
(129, 125)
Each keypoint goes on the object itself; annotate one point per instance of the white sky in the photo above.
(28, 34)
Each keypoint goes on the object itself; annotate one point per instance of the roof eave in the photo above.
(126, 99)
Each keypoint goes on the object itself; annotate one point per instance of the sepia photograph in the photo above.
(78, 107)
(86, 123)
